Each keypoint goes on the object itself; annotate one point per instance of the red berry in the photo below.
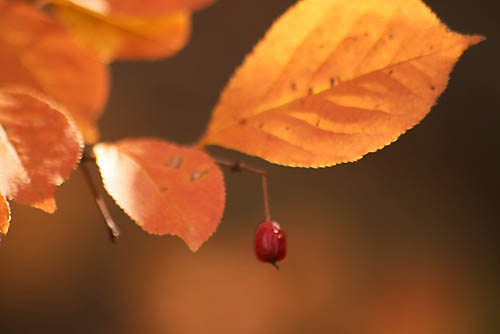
(270, 242)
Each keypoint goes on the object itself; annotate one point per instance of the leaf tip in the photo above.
(476, 39)
(4, 228)
(194, 247)
(5, 215)
(48, 205)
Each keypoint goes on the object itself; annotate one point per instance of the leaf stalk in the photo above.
(237, 166)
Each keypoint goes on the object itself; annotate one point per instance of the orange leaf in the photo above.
(334, 80)
(37, 53)
(164, 188)
(132, 29)
(150, 8)
(39, 148)
(4, 215)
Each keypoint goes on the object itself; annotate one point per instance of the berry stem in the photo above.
(265, 195)
(114, 231)
(237, 166)
(275, 265)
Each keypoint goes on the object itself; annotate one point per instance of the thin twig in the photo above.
(237, 166)
(114, 231)
(88, 156)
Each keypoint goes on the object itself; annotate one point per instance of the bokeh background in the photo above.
(404, 241)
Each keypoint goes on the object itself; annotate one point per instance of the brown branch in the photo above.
(114, 231)
(237, 166)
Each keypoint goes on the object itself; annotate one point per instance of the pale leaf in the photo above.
(151, 8)
(164, 188)
(130, 29)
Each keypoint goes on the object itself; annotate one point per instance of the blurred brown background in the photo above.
(404, 241)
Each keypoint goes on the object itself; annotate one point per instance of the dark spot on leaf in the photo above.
(287, 128)
(322, 46)
(332, 82)
(163, 189)
(196, 175)
(391, 36)
(175, 162)
(310, 91)
(317, 123)
(390, 72)
(294, 86)
(432, 87)
(261, 124)
(242, 121)
(431, 47)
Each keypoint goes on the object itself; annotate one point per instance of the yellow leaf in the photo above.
(149, 8)
(37, 53)
(333, 80)
(4, 215)
(164, 188)
(129, 29)
(39, 148)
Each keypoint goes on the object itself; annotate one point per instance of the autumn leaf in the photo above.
(35, 52)
(334, 80)
(151, 8)
(4, 215)
(13, 176)
(132, 29)
(39, 148)
(164, 188)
